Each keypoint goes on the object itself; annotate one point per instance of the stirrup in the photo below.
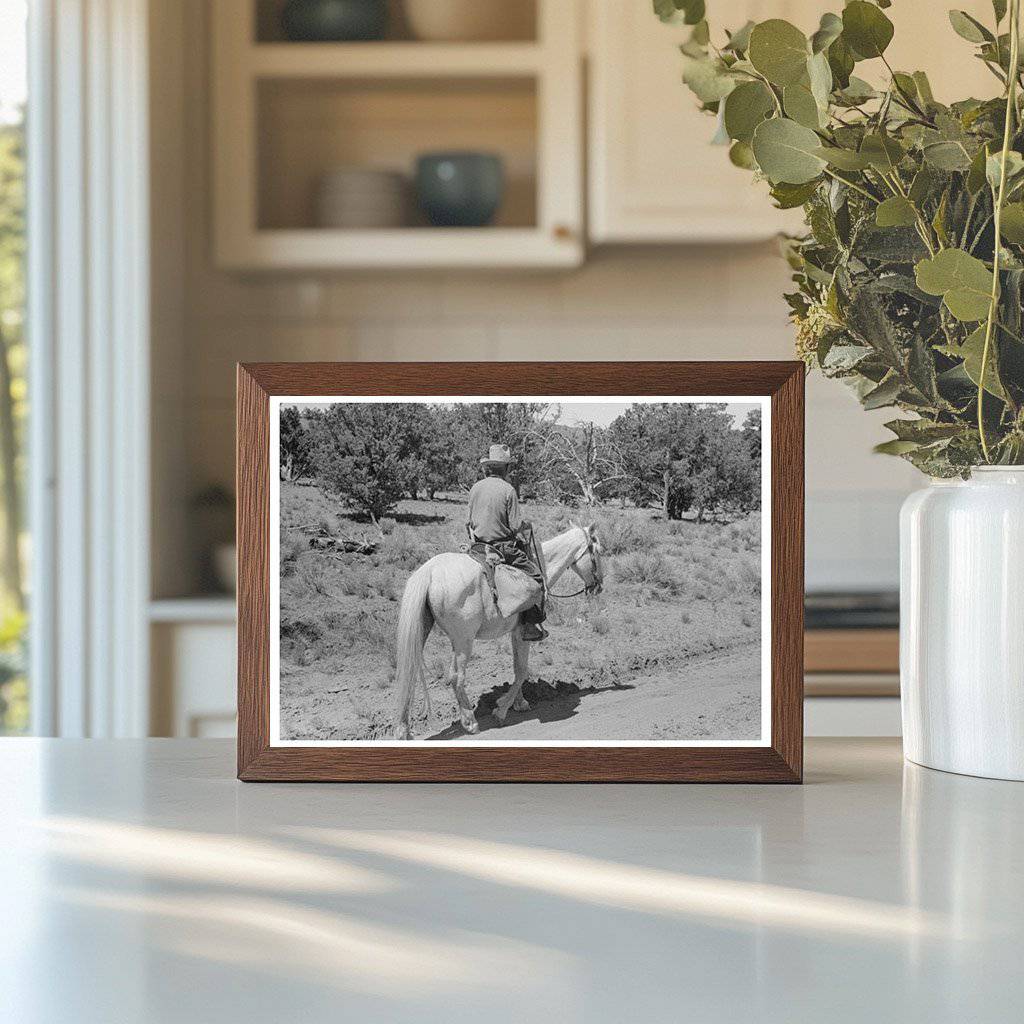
(533, 632)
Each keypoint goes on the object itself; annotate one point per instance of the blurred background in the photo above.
(361, 180)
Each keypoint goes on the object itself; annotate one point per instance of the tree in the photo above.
(579, 461)
(296, 445)
(441, 448)
(687, 457)
(520, 425)
(752, 435)
(366, 453)
(12, 349)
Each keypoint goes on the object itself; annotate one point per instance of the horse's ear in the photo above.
(572, 525)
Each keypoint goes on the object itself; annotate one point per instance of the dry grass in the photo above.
(672, 590)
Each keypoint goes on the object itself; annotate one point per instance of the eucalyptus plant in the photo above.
(910, 278)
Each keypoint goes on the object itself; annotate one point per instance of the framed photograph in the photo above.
(559, 572)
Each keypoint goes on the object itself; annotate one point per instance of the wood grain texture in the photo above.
(852, 650)
(780, 762)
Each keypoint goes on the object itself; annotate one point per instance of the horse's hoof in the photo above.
(522, 704)
(472, 727)
(500, 716)
(402, 732)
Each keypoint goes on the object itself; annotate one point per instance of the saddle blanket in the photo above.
(513, 591)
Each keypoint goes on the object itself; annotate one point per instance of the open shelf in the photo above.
(309, 127)
(520, 23)
(286, 114)
(393, 60)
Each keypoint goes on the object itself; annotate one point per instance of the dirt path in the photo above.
(714, 697)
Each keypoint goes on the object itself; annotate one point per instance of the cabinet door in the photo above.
(654, 176)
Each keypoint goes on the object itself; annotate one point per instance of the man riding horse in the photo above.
(494, 520)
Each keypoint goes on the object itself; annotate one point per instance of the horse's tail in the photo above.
(415, 621)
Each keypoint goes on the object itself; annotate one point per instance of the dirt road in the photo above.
(706, 698)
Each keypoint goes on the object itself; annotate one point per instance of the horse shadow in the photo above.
(549, 702)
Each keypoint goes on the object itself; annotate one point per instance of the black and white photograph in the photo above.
(546, 571)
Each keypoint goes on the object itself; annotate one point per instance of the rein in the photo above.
(585, 587)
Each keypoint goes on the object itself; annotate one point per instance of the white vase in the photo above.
(962, 624)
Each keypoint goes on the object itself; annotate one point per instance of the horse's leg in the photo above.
(457, 677)
(521, 668)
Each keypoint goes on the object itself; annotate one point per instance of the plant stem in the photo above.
(1011, 109)
(853, 185)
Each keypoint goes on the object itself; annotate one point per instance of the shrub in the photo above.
(649, 570)
(625, 534)
(312, 573)
(293, 545)
(387, 525)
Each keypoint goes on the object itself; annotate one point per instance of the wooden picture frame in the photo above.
(776, 759)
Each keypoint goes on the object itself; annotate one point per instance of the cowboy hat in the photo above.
(499, 454)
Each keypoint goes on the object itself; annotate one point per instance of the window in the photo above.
(14, 691)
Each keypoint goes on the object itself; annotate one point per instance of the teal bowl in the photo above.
(334, 21)
(460, 190)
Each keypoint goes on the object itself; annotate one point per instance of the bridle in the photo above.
(598, 575)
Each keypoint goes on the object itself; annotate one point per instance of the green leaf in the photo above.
(971, 351)
(866, 29)
(923, 431)
(976, 173)
(779, 51)
(924, 88)
(922, 185)
(947, 156)
(969, 28)
(895, 212)
(895, 447)
(739, 41)
(741, 155)
(963, 281)
(999, 9)
(666, 10)
(819, 74)
(885, 394)
(707, 78)
(801, 106)
(993, 167)
(787, 152)
(1012, 223)
(690, 12)
(844, 159)
(788, 197)
(857, 91)
(701, 34)
(829, 30)
(841, 63)
(745, 108)
(883, 152)
(939, 220)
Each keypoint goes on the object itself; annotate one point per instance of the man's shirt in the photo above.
(493, 510)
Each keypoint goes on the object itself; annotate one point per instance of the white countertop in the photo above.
(140, 882)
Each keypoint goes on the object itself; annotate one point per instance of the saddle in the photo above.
(512, 590)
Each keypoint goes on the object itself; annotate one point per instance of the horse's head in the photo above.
(588, 565)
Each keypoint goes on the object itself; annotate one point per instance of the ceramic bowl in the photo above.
(359, 197)
(333, 21)
(470, 20)
(460, 189)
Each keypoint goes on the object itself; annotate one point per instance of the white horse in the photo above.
(451, 592)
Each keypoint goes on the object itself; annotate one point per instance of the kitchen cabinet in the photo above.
(288, 114)
(654, 177)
